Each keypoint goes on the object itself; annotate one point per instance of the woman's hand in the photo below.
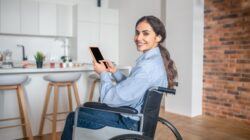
(111, 67)
(99, 67)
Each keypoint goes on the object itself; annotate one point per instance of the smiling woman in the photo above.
(153, 68)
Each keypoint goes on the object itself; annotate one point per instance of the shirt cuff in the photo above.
(105, 77)
(117, 75)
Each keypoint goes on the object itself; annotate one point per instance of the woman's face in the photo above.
(145, 37)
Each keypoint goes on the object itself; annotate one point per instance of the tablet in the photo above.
(96, 54)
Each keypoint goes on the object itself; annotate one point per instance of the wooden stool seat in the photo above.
(14, 82)
(58, 80)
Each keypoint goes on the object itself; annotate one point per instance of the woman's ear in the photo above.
(158, 38)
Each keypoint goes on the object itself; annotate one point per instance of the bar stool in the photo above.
(95, 78)
(58, 80)
(14, 82)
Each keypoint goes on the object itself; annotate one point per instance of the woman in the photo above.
(153, 68)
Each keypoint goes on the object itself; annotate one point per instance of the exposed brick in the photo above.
(226, 69)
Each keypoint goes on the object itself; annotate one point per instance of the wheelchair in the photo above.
(148, 119)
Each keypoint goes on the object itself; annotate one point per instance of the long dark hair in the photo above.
(159, 29)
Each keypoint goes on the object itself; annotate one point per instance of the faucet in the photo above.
(23, 50)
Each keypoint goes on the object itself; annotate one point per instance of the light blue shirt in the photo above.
(129, 91)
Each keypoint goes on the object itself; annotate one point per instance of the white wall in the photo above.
(184, 26)
(129, 12)
(51, 47)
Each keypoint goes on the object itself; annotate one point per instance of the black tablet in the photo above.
(96, 54)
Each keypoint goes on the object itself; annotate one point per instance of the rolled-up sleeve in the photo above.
(118, 76)
(128, 92)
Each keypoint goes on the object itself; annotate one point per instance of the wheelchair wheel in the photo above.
(171, 127)
(131, 137)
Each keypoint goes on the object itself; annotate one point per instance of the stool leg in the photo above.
(45, 107)
(91, 92)
(76, 94)
(70, 97)
(24, 112)
(54, 119)
(21, 112)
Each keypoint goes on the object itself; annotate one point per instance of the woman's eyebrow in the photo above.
(143, 31)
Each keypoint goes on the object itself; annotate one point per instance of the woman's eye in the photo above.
(145, 34)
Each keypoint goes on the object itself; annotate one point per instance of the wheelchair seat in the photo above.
(148, 119)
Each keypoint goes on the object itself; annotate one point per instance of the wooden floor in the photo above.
(197, 128)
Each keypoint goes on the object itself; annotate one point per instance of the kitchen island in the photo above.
(35, 89)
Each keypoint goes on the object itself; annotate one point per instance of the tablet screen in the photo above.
(97, 54)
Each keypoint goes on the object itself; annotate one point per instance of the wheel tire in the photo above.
(131, 137)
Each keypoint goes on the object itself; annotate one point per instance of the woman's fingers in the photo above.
(108, 62)
(111, 68)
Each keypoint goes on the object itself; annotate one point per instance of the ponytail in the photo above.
(169, 66)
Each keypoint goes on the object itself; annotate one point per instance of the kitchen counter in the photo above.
(85, 68)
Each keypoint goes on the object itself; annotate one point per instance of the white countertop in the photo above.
(84, 68)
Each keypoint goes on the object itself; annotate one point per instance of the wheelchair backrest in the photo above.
(151, 108)
(150, 111)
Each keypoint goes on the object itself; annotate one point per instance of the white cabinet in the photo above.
(109, 33)
(55, 19)
(109, 16)
(96, 26)
(64, 20)
(87, 36)
(88, 11)
(19, 16)
(47, 18)
(109, 41)
(9, 13)
(29, 17)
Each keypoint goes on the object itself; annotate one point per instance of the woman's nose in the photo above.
(139, 37)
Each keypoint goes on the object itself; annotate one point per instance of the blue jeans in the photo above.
(95, 119)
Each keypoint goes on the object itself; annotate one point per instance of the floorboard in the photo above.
(196, 128)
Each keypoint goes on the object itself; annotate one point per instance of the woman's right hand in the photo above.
(99, 67)
(111, 67)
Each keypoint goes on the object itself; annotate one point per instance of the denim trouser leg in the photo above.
(95, 119)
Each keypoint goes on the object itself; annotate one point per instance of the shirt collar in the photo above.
(149, 53)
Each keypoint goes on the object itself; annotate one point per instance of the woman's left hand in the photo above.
(99, 67)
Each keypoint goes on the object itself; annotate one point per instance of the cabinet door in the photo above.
(110, 16)
(29, 17)
(88, 11)
(64, 20)
(88, 35)
(10, 17)
(109, 35)
(109, 40)
(47, 18)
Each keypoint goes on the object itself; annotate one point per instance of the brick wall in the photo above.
(226, 80)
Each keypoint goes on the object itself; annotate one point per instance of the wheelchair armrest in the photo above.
(166, 90)
(104, 107)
